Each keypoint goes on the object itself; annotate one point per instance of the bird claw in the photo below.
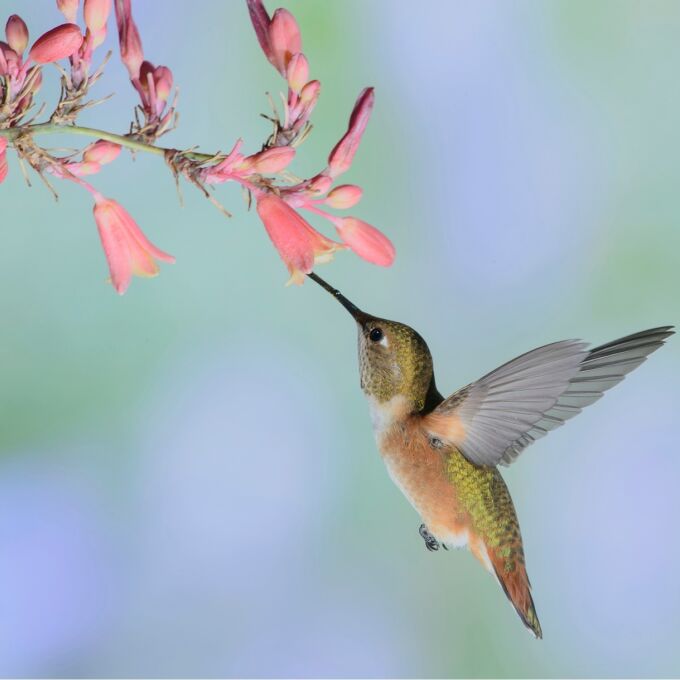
(431, 543)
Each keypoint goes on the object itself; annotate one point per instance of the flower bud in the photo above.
(17, 33)
(284, 39)
(96, 14)
(270, 161)
(102, 152)
(162, 78)
(344, 196)
(341, 157)
(297, 72)
(366, 241)
(131, 52)
(59, 43)
(69, 8)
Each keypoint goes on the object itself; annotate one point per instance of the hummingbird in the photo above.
(444, 453)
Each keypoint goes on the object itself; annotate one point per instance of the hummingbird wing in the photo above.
(493, 420)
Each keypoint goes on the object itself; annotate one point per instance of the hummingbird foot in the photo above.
(431, 543)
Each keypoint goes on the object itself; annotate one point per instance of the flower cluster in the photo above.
(298, 243)
(264, 174)
(21, 78)
(153, 83)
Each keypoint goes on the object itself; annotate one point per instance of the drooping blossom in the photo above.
(128, 251)
(299, 245)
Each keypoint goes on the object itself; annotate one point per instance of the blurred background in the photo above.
(189, 484)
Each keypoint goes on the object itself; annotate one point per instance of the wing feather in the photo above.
(493, 420)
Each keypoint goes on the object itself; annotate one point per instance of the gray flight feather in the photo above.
(511, 407)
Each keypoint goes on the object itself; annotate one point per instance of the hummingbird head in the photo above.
(394, 359)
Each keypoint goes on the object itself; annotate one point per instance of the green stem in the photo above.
(123, 140)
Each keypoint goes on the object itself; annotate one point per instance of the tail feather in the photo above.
(512, 575)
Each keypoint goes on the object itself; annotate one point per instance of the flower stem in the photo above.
(124, 140)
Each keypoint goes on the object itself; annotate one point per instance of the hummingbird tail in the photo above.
(512, 575)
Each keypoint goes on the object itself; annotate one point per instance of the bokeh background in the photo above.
(188, 482)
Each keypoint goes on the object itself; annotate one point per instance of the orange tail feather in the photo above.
(512, 575)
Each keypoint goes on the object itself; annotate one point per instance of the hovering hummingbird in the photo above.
(443, 453)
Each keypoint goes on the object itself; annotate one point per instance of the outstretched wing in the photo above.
(493, 420)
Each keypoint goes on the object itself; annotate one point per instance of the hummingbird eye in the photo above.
(376, 334)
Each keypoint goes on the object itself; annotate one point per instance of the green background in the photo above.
(189, 484)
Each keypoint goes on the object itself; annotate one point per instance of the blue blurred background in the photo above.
(188, 482)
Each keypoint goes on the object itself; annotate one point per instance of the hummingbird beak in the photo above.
(358, 315)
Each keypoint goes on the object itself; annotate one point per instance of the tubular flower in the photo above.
(96, 14)
(69, 8)
(128, 251)
(299, 245)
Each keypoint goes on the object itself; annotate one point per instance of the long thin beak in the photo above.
(358, 315)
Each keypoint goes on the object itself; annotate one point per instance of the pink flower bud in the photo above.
(102, 152)
(69, 8)
(261, 21)
(131, 52)
(366, 241)
(17, 33)
(59, 43)
(162, 77)
(344, 196)
(297, 72)
(320, 184)
(3, 159)
(340, 159)
(299, 245)
(96, 14)
(127, 249)
(284, 39)
(270, 161)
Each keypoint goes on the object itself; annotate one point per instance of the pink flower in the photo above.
(297, 72)
(69, 8)
(284, 39)
(96, 14)
(279, 37)
(127, 249)
(267, 162)
(366, 241)
(340, 159)
(59, 43)
(344, 196)
(131, 52)
(3, 159)
(102, 152)
(17, 33)
(300, 246)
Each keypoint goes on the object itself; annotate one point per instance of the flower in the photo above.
(127, 249)
(365, 240)
(96, 14)
(3, 159)
(342, 155)
(102, 152)
(17, 33)
(58, 43)
(69, 8)
(344, 196)
(299, 245)
(131, 52)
